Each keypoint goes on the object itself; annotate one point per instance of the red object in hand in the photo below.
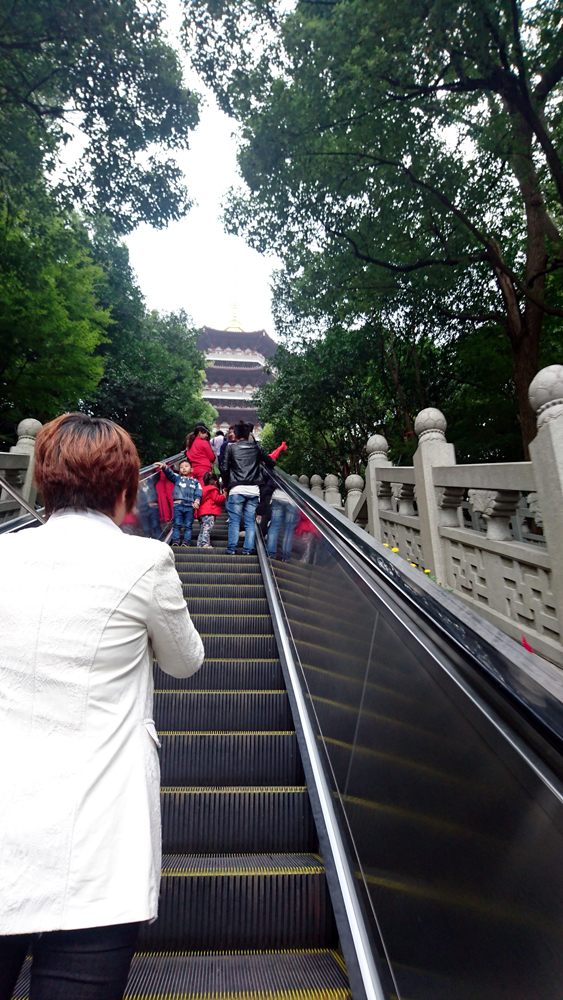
(526, 644)
(274, 454)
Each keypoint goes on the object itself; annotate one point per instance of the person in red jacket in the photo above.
(209, 508)
(200, 452)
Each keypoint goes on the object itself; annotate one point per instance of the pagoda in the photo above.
(234, 369)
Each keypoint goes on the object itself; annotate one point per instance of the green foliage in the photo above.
(51, 322)
(401, 158)
(103, 67)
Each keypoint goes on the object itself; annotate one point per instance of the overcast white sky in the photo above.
(193, 263)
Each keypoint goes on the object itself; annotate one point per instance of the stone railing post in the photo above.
(377, 449)
(354, 486)
(433, 449)
(317, 486)
(332, 493)
(304, 480)
(546, 452)
(27, 432)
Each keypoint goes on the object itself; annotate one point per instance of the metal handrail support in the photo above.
(17, 496)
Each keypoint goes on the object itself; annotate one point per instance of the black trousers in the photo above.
(89, 964)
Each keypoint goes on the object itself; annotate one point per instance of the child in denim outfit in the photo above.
(185, 498)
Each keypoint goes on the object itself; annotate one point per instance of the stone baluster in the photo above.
(406, 499)
(354, 486)
(546, 452)
(378, 494)
(28, 430)
(433, 449)
(449, 502)
(332, 493)
(304, 480)
(317, 486)
(497, 508)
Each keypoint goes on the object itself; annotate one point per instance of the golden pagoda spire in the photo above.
(234, 326)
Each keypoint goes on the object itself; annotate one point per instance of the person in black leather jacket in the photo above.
(242, 474)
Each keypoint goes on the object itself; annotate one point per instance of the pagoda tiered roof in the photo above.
(234, 341)
(234, 370)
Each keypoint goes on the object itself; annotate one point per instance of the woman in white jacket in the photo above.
(82, 608)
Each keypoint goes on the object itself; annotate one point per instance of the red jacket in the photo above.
(202, 457)
(211, 500)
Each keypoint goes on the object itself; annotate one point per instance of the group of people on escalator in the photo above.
(196, 492)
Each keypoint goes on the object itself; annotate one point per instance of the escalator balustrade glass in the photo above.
(457, 840)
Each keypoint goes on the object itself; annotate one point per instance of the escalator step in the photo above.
(313, 974)
(223, 675)
(225, 710)
(224, 624)
(244, 647)
(242, 901)
(237, 820)
(228, 606)
(230, 590)
(220, 576)
(221, 758)
(216, 558)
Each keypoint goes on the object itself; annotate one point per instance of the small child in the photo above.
(210, 506)
(185, 499)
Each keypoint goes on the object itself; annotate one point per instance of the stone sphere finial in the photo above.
(353, 482)
(331, 481)
(316, 480)
(546, 393)
(28, 430)
(304, 480)
(430, 424)
(377, 445)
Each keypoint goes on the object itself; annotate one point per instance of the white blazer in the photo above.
(80, 605)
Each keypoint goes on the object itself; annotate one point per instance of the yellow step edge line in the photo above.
(227, 732)
(190, 691)
(273, 994)
(227, 789)
(242, 873)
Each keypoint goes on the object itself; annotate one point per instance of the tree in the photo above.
(50, 320)
(416, 138)
(152, 371)
(103, 67)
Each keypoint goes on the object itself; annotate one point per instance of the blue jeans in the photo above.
(238, 505)
(150, 521)
(284, 513)
(183, 518)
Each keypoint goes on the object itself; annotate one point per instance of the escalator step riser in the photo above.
(221, 759)
(230, 591)
(232, 624)
(228, 606)
(217, 560)
(244, 647)
(247, 911)
(227, 711)
(237, 822)
(218, 578)
(225, 675)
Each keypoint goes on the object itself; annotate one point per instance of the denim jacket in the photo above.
(185, 490)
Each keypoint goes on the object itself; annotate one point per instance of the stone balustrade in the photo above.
(492, 533)
(16, 466)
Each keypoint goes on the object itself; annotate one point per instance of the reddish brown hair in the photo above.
(83, 461)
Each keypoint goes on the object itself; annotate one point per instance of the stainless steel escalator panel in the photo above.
(457, 836)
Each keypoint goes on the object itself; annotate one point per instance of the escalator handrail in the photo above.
(539, 707)
(18, 497)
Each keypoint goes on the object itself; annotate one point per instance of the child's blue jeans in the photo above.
(183, 518)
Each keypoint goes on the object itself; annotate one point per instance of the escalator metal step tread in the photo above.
(221, 576)
(237, 820)
(232, 624)
(312, 974)
(190, 560)
(223, 758)
(228, 590)
(217, 675)
(236, 710)
(228, 606)
(240, 865)
(242, 901)
(239, 646)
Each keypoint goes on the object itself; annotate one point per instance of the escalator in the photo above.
(362, 793)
